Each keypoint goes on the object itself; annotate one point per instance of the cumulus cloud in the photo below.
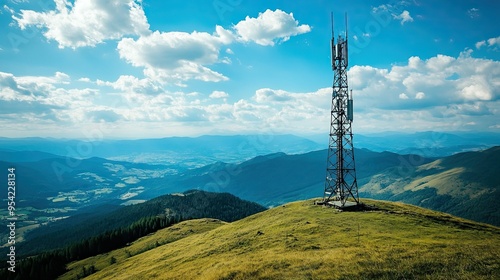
(404, 17)
(34, 99)
(395, 10)
(480, 44)
(128, 83)
(84, 80)
(435, 92)
(420, 95)
(218, 94)
(176, 56)
(178, 109)
(166, 57)
(439, 93)
(494, 41)
(58, 78)
(87, 22)
(30, 86)
(269, 95)
(269, 27)
(491, 43)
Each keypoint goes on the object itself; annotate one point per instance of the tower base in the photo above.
(337, 204)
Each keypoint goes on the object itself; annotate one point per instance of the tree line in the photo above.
(50, 265)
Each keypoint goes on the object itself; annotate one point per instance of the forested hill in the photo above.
(175, 207)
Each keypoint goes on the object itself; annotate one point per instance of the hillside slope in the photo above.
(465, 184)
(303, 241)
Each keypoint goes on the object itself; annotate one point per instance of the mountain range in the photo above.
(465, 184)
(187, 152)
(54, 187)
(80, 191)
(426, 143)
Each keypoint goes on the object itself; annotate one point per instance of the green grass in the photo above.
(303, 241)
(161, 237)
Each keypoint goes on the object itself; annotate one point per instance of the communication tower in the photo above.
(340, 184)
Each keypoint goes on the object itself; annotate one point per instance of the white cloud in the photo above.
(269, 27)
(8, 9)
(84, 80)
(176, 56)
(473, 12)
(269, 95)
(491, 43)
(218, 94)
(476, 87)
(480, 44)
(58, 78)
(395, 10)
(166, 57)
(87, 22)
(438, 81)
(34, 100)
(440, 93)
(381, 8)
(404, 17)
(420, 95)
(132, 84)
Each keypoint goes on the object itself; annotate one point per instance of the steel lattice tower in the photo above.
(340, 181)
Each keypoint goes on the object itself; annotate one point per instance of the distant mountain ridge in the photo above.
(425, 143)
(465, 184)
(206, 149)
(279, 178)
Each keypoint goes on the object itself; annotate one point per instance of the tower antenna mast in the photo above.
(341, 187)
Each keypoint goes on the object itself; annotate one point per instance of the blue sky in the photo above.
(151, 68)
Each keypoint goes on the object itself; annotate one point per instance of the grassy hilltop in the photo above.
(303, 241)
